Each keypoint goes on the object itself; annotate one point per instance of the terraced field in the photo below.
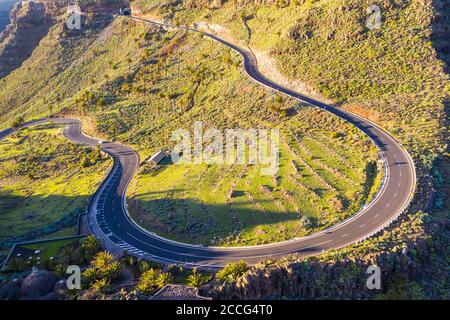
(319, 182)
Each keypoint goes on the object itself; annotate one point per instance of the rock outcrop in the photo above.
(29, 24)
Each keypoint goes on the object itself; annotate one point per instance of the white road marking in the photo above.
(388, 205)
(344, 235)
(377, 215)
(236, 258)
(362, 226)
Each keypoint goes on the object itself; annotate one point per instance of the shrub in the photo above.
(196, 279)
(147, 282)
(232, 271)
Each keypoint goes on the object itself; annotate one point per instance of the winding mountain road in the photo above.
(109, 219)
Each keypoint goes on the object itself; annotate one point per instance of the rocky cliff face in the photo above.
(30, 22)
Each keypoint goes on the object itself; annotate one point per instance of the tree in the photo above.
(50, 110)
(17, 124)
(97, 153)
(113, 131)
(101, 103)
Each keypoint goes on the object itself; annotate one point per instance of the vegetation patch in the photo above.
(45, 183)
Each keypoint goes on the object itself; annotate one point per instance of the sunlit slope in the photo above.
(45, 183)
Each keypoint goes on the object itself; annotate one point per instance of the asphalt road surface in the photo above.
(110, 221)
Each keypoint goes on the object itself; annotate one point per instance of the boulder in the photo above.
(37, 284)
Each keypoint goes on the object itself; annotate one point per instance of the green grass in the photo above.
(43, 186)
(49, 249)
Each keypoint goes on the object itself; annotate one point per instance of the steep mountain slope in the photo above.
(392, 74)
(30, 23)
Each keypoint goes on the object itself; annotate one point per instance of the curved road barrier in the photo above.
(109, 219)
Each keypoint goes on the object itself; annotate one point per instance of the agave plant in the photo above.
(102, 260)
(111, 271)
(194, 279)
(90, 274)
(163, 279)
(100, 285)
(148, 282)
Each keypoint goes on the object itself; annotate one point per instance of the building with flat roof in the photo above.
(157, 157)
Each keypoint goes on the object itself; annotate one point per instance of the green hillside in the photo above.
(45, 183)
(139, 83)
(392, 74)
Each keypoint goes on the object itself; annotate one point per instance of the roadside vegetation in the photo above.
(103, 276)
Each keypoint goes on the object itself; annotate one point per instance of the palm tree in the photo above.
(113, 130)
(17, 124)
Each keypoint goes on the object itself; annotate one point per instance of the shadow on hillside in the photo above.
(193, 220)
(24, 218)
(440, 36)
